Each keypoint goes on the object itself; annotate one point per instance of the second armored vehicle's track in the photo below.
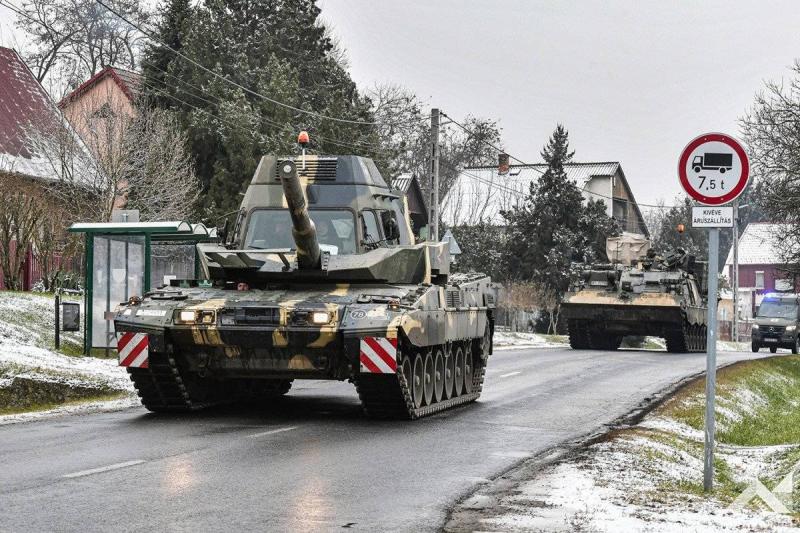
(687, 338)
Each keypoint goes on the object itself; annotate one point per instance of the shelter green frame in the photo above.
(151, 231)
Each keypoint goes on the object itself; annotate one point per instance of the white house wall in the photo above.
(600, 188)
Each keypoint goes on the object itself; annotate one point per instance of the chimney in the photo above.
(502, 164)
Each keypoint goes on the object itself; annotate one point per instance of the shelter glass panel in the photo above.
(118, 274)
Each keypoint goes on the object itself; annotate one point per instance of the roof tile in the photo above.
(23, 105)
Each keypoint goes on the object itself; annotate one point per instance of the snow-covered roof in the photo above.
(580, 173)
(758, 245)
(24, 105)
(402, 182)
(163, 227)
(482, 192)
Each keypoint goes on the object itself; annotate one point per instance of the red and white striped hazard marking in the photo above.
(133, 349)
(378, 355)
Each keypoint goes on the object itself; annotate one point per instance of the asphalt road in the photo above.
(313, 462)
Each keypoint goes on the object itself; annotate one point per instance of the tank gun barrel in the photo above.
(303, 230)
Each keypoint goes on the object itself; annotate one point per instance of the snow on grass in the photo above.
(29, 318)
(506, 340)
(33, 374)
(650, 477)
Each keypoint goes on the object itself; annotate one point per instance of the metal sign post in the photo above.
(714, 170)
(711, 358)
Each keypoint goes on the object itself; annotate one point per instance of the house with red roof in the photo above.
(27, 115)
(95, 107)
(25, 108)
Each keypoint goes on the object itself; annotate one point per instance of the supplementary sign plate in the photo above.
(712, 217)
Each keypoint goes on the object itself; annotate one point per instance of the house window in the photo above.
(759, 279)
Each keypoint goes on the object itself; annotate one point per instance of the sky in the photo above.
(633, 81)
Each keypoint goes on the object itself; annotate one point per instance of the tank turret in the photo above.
(303, 230)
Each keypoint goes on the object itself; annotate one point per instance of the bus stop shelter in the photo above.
(125, 259)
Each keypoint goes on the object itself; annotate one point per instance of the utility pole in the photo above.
(735, 272)
(433, 224)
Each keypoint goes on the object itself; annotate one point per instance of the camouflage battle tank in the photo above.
(319, 279)
(656, 296)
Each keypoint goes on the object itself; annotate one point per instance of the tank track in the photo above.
(689, 338)
(390, 395)
(163, 389)
(578, 335)
(581, 338)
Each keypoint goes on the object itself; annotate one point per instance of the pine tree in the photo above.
(545, 227)
(553, 228)
(278, 49)
(155, 66)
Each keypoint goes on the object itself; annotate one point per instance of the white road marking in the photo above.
(510, 374)
(271, 432)
(104, 469)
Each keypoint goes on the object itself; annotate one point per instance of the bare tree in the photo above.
(772, 131)
(74, 39)
(404, 131)
(138, 161)
(162, 184)
(21, 211)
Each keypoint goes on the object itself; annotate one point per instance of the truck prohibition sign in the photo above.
(711, 161)
(714, 169)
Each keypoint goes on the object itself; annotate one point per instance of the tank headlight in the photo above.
(187, 316)
(755, 326)
(320, 317)
(791, 328)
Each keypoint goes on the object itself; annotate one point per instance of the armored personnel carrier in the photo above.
(318, 279)
(654, 296)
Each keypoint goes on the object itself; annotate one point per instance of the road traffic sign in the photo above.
(714, 169)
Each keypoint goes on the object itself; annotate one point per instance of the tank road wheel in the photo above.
(428, 381)
(468, 368)
(418, 381)
(449, 374)
(438, 375)
(406, 370)
(458, 376)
